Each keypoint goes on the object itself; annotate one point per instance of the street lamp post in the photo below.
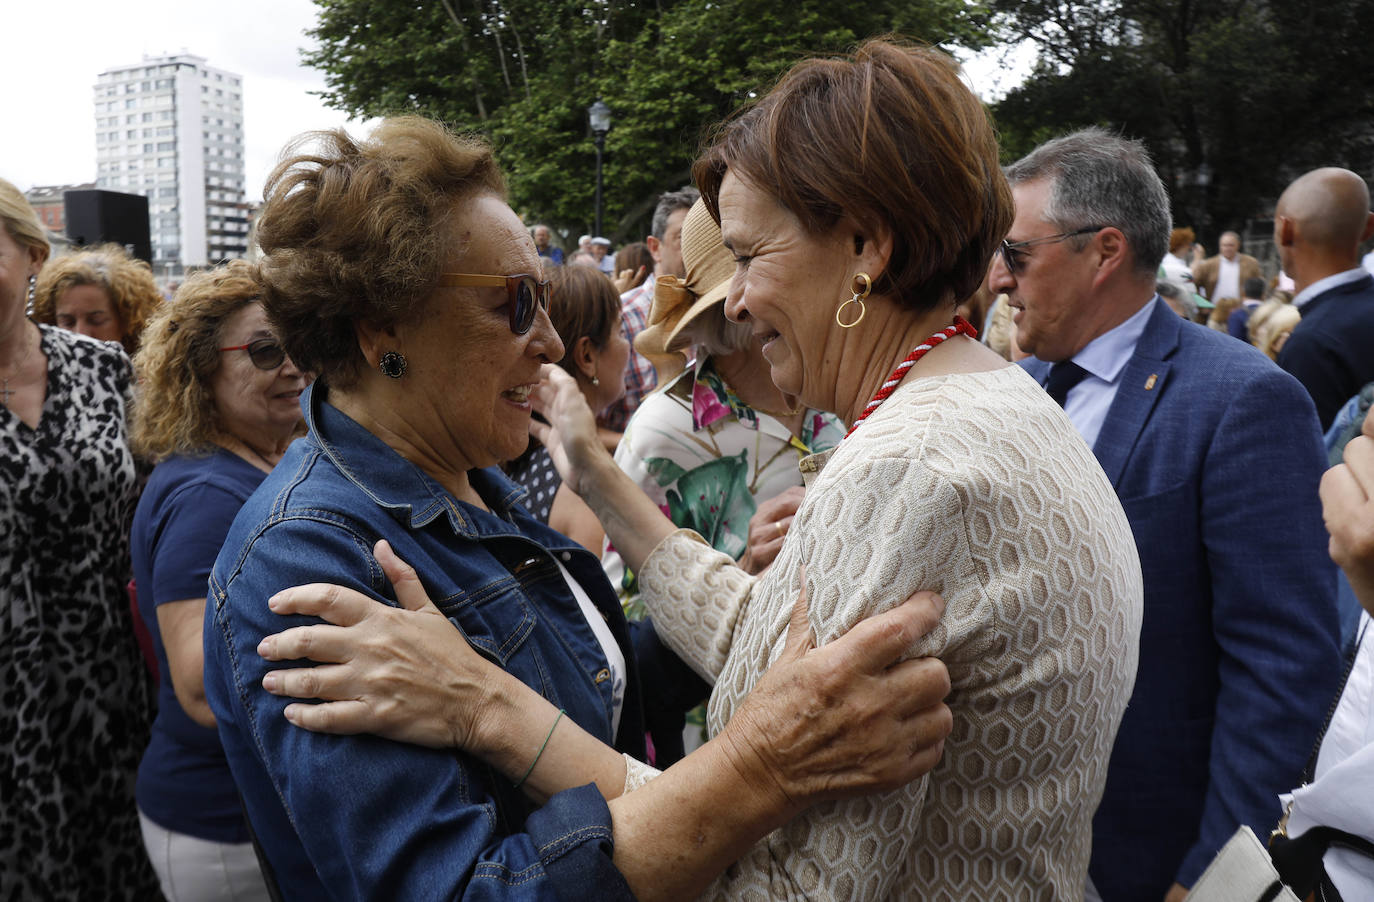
(599, 115)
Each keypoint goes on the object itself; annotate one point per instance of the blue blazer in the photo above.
(1216, 455)
(1331, 352)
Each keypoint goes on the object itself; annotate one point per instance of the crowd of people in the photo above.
(887, 524)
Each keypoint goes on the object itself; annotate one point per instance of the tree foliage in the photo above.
(1233, 97)
(523, 72)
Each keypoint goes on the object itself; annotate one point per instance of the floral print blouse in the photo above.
(707, 458)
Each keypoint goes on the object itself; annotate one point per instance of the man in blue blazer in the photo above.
(1319, 224)
(1216, 456)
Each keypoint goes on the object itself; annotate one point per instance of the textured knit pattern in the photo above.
(975, 486)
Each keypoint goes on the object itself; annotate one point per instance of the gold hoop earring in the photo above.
(858, 298)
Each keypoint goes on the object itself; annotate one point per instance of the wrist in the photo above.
(758, 788)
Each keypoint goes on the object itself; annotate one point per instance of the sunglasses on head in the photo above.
(265, 353)
(524, 294)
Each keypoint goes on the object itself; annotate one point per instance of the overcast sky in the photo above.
(55, 50)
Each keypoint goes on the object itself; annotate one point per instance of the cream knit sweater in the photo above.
(975, 486)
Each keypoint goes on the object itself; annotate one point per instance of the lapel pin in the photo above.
(1150, 382)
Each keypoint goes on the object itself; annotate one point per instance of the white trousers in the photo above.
(197, 870)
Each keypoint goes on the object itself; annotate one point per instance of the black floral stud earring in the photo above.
(393, 363)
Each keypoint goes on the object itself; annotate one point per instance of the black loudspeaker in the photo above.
(95, 217)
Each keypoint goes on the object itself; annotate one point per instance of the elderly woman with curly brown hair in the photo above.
(76, 698)
(428, 331)
(101, 292)
(219, 402)
(861, 199)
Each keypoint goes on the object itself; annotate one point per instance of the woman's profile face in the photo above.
(470, 374)
(88, 310)
(611, 361)
(787, 287)
(252, 403)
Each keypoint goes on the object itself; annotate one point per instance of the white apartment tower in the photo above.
(171, 129)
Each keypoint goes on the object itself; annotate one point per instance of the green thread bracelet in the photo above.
(540, 753)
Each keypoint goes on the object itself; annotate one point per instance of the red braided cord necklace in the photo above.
(961, 325)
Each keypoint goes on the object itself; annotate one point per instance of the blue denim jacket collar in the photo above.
(406, 490)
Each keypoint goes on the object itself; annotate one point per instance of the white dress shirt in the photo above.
(1228, 280)
(1104, 358)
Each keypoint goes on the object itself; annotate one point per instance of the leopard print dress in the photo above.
(76, 702)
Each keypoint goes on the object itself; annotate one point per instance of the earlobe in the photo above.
(374, 342)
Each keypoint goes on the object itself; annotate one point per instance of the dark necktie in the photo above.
(1064, 375)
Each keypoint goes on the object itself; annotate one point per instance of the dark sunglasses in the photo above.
(524, 294)
(265, 353)
(1011, 251)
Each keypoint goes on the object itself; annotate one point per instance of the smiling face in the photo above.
(470, 374)
(254, 404)
(87, 310)
(1051, 288)
(787, 286)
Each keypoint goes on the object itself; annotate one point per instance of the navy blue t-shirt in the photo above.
(184, 784)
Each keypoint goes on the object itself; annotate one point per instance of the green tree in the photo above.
(524, 71)
(1233, 97)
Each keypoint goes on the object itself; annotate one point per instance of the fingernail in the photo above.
(290, 712)
(270, 682)
(273, 603)
(267, 647)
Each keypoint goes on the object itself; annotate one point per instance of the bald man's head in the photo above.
(1329, 208)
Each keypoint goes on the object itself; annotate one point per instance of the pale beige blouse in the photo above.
(975, 486)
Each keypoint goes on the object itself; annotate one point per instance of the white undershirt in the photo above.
(615, 658)
(1228, 280)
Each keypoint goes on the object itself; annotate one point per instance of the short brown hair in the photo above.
(584, 302)
(173, 411)
(889, 134)
(355, 231)
(126, 281)
(1181, 238)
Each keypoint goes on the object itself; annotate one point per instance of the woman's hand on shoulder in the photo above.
(404, 672)
(851, 717)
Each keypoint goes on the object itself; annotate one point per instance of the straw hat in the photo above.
(677, 302)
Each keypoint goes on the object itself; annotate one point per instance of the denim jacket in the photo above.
(362, 817)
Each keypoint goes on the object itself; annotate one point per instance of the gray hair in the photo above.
(1101, 179)
(714, 334)
(1180, 296)
(670, 203)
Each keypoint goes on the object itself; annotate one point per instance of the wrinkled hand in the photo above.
(850, 718)
(630, 278)
(1347, 493)
(405, 673)
(768, 527)
(570, 434)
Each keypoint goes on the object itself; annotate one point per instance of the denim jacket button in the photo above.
(567, 556)
(603, 675)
